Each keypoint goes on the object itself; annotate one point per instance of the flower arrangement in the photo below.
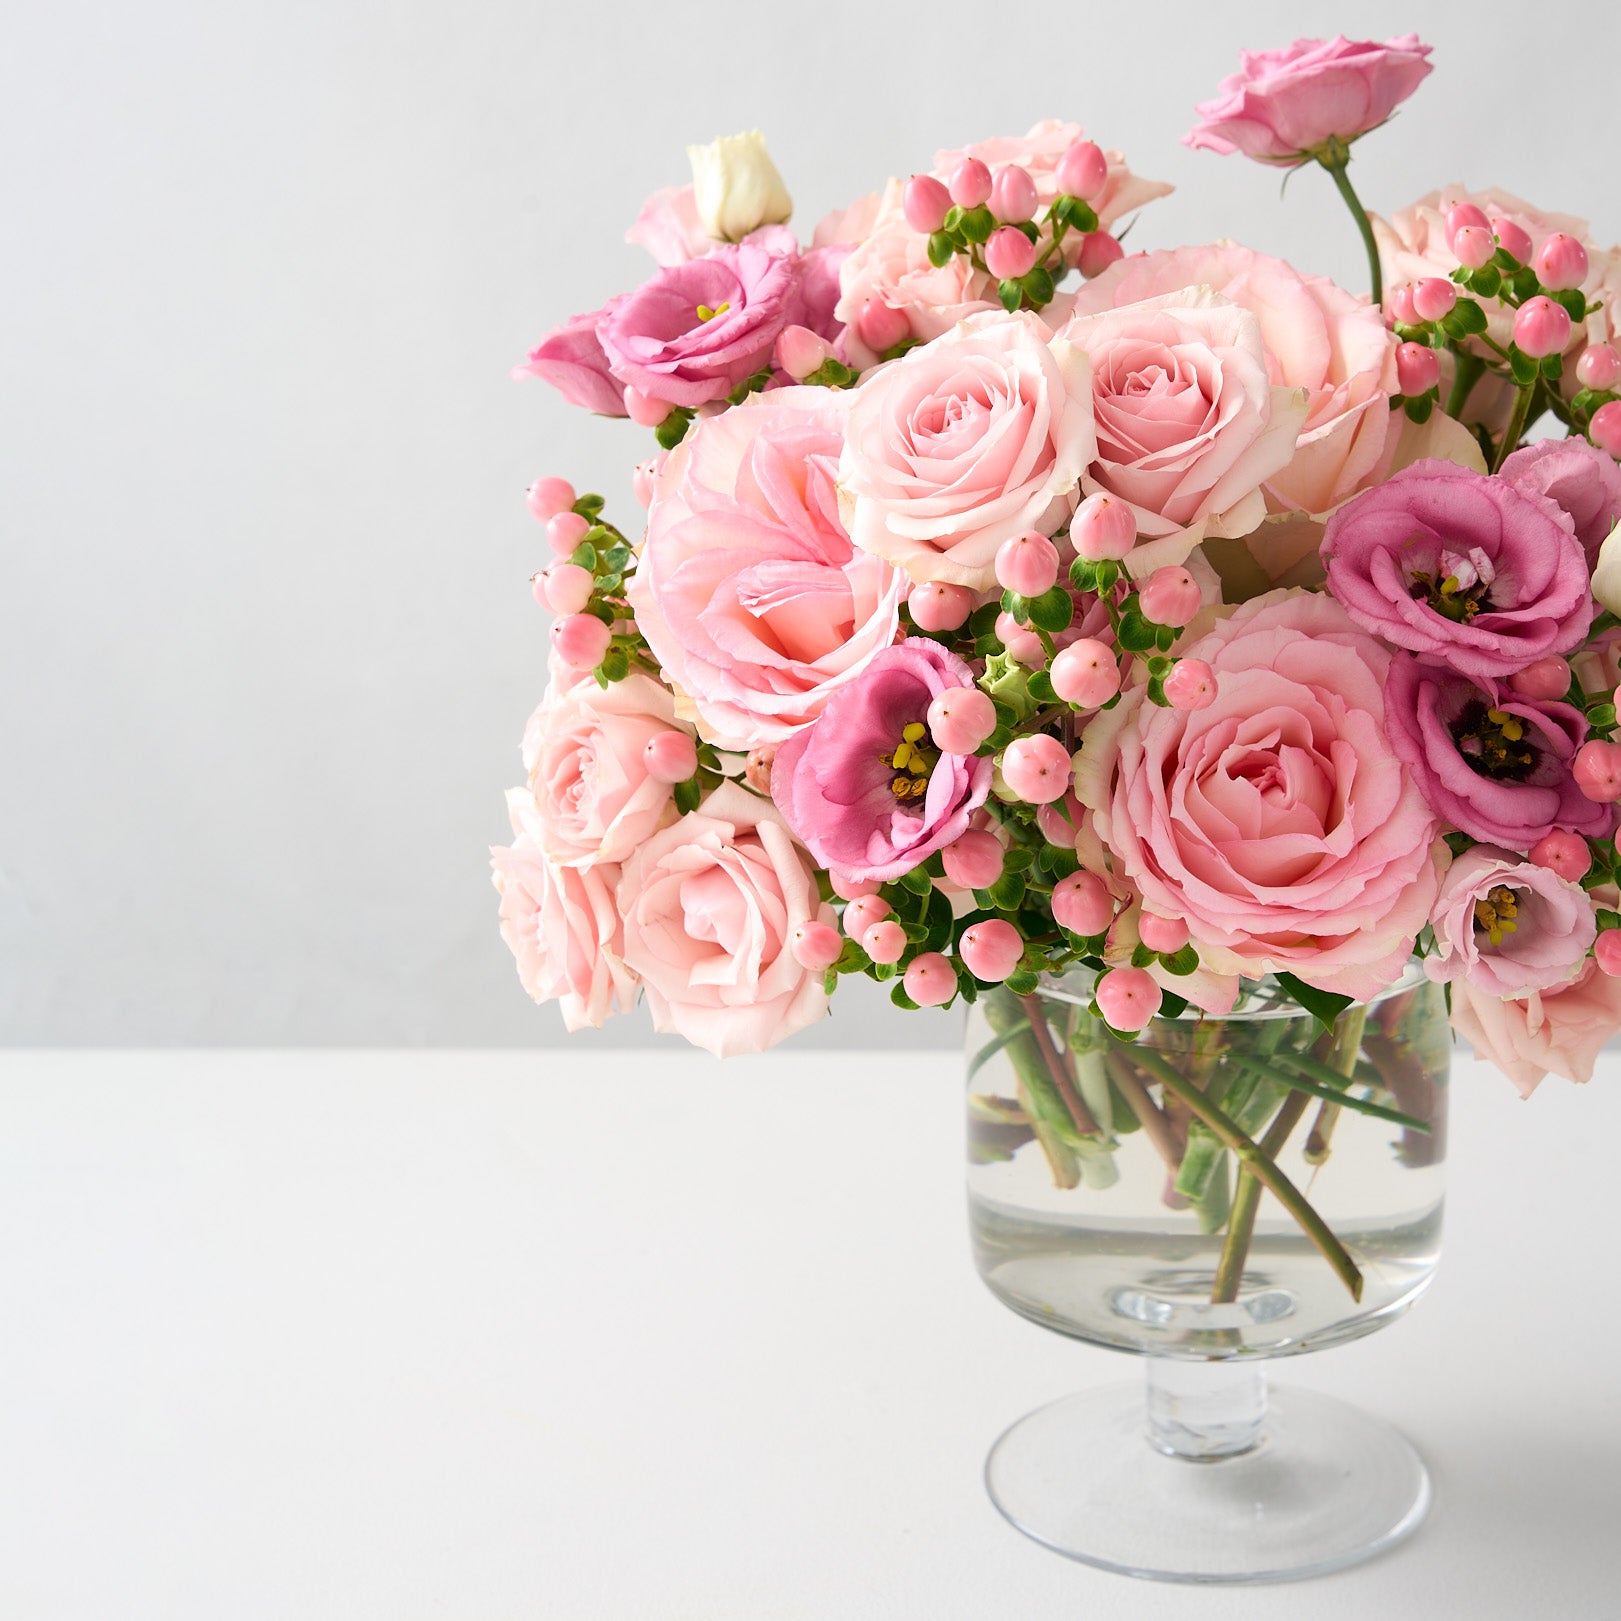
(1007, 604)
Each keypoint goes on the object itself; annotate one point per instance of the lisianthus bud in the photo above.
(1561, 263)
(925, 203)
(1418, 369)
(736, 187)
(1013, 195)
(1009, 253)
(801, 352)
(1541, 327)
(1083, 171)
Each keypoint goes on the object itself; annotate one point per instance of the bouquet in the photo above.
(1007, 604)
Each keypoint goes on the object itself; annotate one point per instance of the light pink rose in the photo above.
(749, 591)
(1189, 424)
(1276, 821)
(583, 750)
(1317, 337)
(1543, 926)
(1557, 1032)
(710, 906)
(959, 445)
(561, 925)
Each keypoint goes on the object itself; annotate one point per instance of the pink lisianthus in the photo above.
(1189, 424)
(963, 443)
(1579, 478)
(837, 788)
(749, 590)
(1485, 575)
(710, 906)
(1508, 927)
(1317, 337)
(1489, 762)
(1276, 821)
(1557, 1032)
(570, 358)
(1284, 106)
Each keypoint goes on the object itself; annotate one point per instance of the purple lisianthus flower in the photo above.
(1488, 762)
(570, 358)
(696, 330)
(837, 783)
(1578, 477)
(1478, 572)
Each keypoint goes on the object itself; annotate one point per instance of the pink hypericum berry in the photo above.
(581, 640)
(1512, 240)
(925, 202)
(885, 942)
(1541, 327)
(1162, 934)
(1058, 821)
(1128, 998)
(567, 587)
(1599, 367)
(643, 409)
(801, 352)
(1474, 246)
(1607, 952)
(1190, 685)
(1021, 645)
(670, 757)
(645, 475)
(1103, 528)
(1083, 171)
(1013, 195)
(1085, 673)
(1563, 853)
(1399, 305)
(930, 979)
(549, 496)
(1434, 297)
(862, 913)
(850, 888)
(880, 326)
(1099, 250)
(973, 860)
(960, 719)
(1009, 253)
(757, 767)
(938, 606)
(565, 531)
(1597, 770)
(1418, 369)
(1170, 596)
(816, 946)
(1037, 769)
(1027, 564)
(1605, 428)
(1561, 263)
(991, 949)
(970, 183)
(1547, 678)
(1462, 214)
(1082, 904)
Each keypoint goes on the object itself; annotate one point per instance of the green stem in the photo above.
(1057, 1069)
(1516, 424)
(1246, 1201)
(1342, 180)
(1250, 1157)
(1470, 369)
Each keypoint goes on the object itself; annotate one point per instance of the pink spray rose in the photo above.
(749, 591)
(1282, 106)
(1507, 926)
(710, 906)
(1577, 477)
(835, 782)
(1276, 821)
(1480, 573)
(1489, 762)
(963, 443)
(1317, 337)
(570, 358)
(1189, 424)
(1558, 1032)
(583, 750)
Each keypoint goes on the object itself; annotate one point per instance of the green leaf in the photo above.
(977, 224)
(615, 664)
(1181, 962)
(1486, 281)
(1523, 367)
(1083, 575)
(1136, 635)
(1419, 410)
(1172, 1006)
(1601, 715)
(673, 429)
(1022, 982)
(1052, 610)
(687, 795)
(1324, 1006)
(1011, 294)
(1018, 858)
(1464, 319)
(1552, 367)
(617, 558)
(898, 996)
(590, 506)
(1038, 287)
(1607, 919)
(917, 880)
(1041, 687)
(941, 249)
(1007, 891)
(584, 556)
(982, 621)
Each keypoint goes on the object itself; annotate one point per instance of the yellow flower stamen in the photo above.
(707, 314)
(1496, 912)
(1510, 726)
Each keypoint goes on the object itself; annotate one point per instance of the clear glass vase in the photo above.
(1216, 1193)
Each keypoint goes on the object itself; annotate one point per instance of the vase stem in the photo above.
(1205, 1410)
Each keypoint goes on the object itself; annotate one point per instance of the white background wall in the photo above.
(266, 642)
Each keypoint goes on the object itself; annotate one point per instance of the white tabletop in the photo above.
(343, 1336)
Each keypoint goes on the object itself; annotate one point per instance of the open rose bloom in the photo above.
(1008, 603)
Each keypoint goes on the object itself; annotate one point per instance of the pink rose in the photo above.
(961, 444)
(570, 358)
(710, 906)
(583, 750)
(1282, 106)
(1317, 337)
(1559, 1032)
(1582, 480)
(561, 925)
(1276, 821)
(749, 591)
(1189, 424)
(1507, 926)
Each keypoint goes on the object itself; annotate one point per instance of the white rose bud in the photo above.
(1607, 573)
(736, 186)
